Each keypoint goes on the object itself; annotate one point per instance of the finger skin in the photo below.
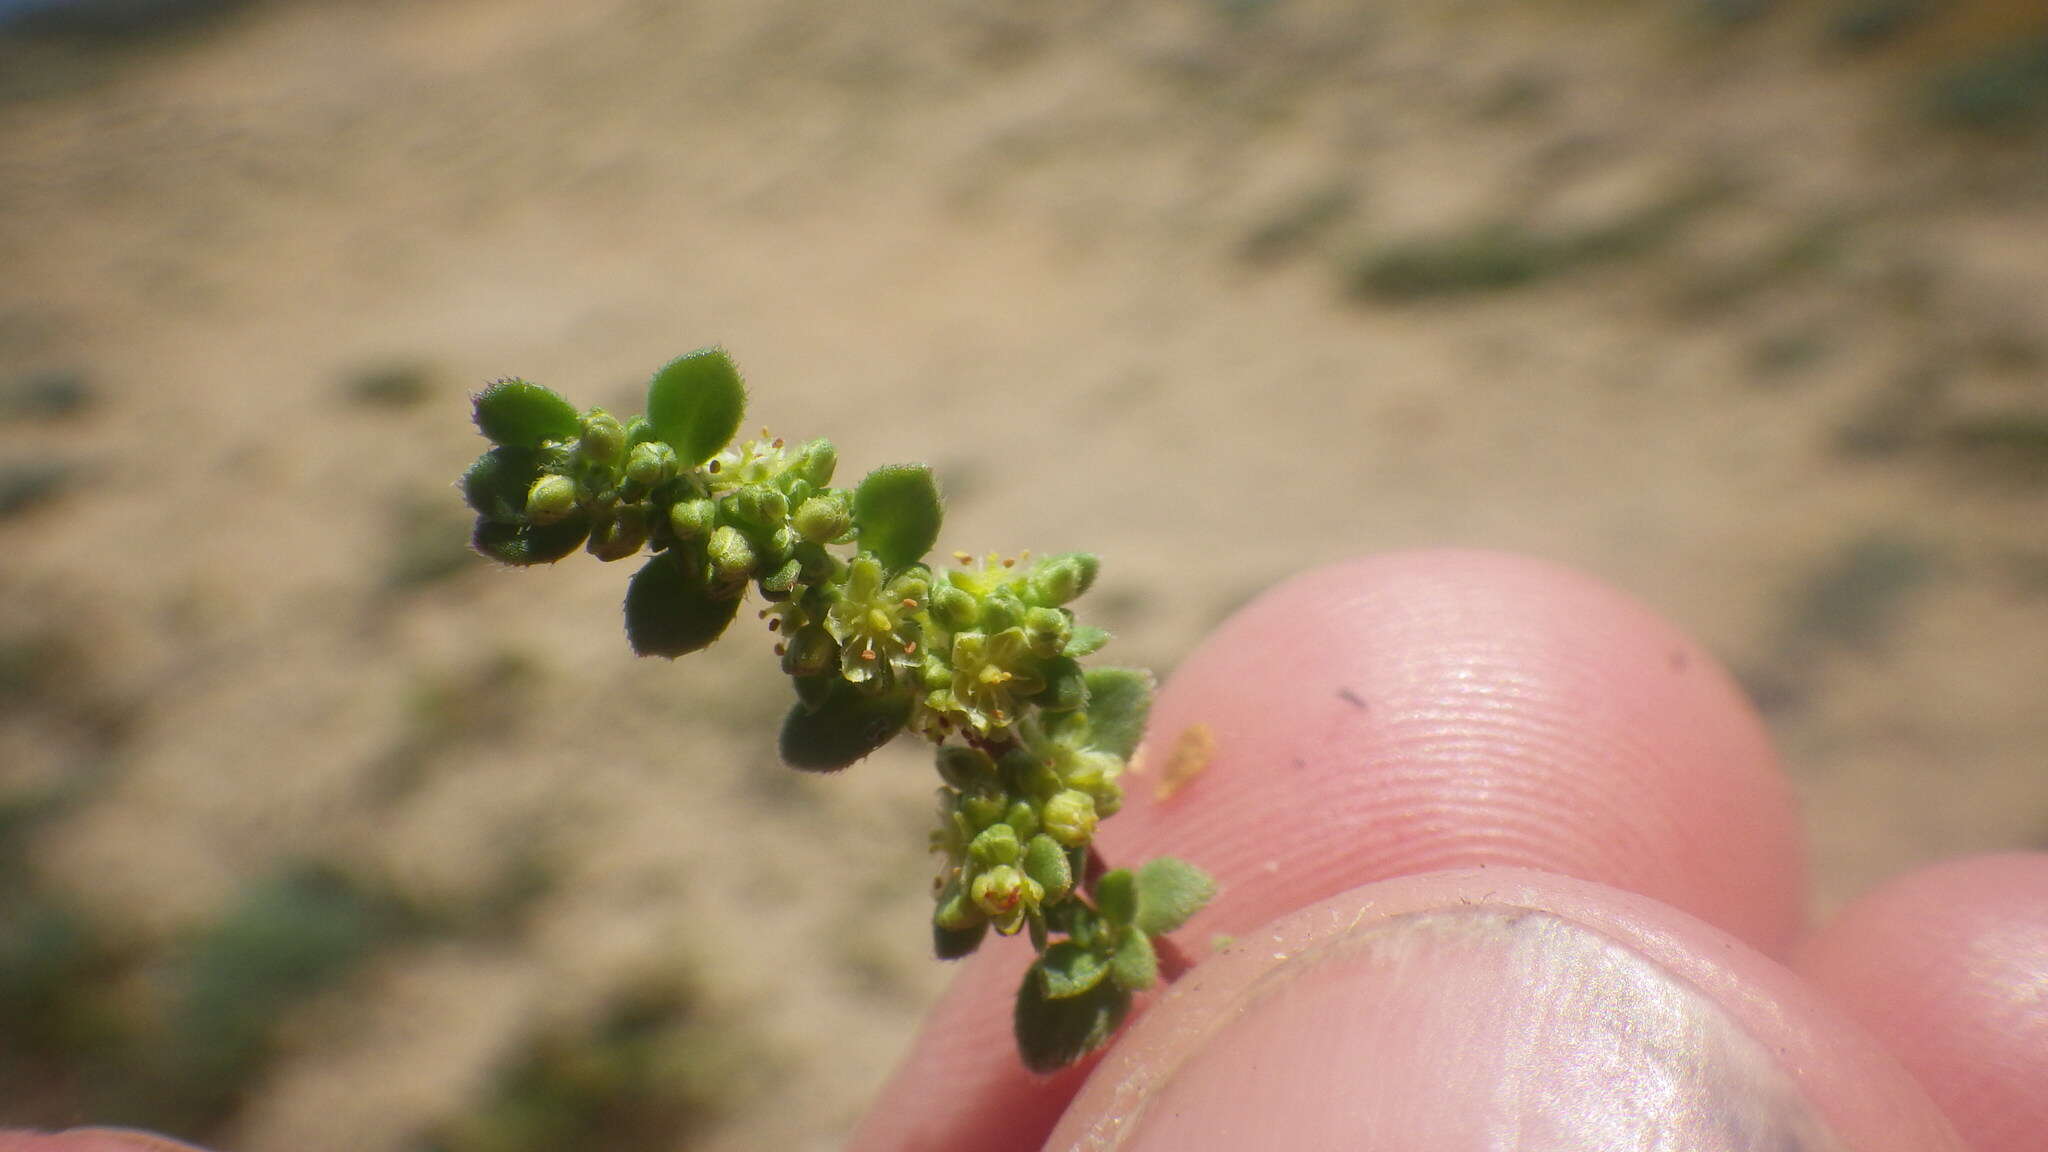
(1205, 1069)
(1949, 967)
(1392, 716)
(90, 1140)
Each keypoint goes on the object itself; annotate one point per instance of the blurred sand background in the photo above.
(1742, 307)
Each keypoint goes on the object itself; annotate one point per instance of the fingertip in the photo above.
(1949, 967)
(1419, 711)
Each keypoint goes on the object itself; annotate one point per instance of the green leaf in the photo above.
(1066, 686)
(524, 544)
(1052, 1034)
(953, 943)
(1119, 699)
(1116, 896)
(1170, 891)
(1135, 967)
(518, 414)
(495, 487)
(1086, 640)
(844, 727)
(670, 608)
(696, 403)
(1069, 970)
(896, 514)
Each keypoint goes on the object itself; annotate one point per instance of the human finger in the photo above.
(1496, 1008)
(1949, 967)
(1391, 716)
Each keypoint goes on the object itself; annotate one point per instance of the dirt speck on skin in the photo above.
(1107, 264)
(1189, 757)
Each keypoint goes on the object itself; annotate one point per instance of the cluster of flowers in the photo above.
(982, 659)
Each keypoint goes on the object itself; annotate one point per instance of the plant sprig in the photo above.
(982, 660)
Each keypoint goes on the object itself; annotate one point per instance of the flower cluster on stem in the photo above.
(983, 658)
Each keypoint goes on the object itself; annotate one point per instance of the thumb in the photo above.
(1495, 1008)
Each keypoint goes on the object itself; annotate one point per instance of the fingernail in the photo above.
(1467, 1029)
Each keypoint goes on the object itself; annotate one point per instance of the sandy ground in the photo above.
(1096, 265)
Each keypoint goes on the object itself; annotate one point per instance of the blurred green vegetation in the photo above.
(1496, 254)
(648, 1072)
(2008, 88)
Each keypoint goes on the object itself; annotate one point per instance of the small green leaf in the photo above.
(1046, 862)
(518, 414)
(1086, 640)
(1066, 686)
(846, 726)
(1170, 891)
(1119, 699)
(1069, 970)
(896, 514)
(696, 403)
(670, 608)
(1052, 1034)
(496, 486)
(1135, 966)
(1116, 896)
(524, 544)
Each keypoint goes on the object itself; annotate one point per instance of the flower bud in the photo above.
(953, 609)
(1046, 631)
(968, 769)
(999, 891)
(551, 499)
(956, 912)
(1060, 579)
(692, 519)
(731, 556)
(981, 810)
(639, 430)
(1046, 864)
(621, 535)
(651, 464)
(823, 519)
(1022, 818)
(604, 439)
(1069, 818)
(809, 651)
(760, 504)
(816, 461)
(782, 548)
(1000, 612)
(997, 844)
